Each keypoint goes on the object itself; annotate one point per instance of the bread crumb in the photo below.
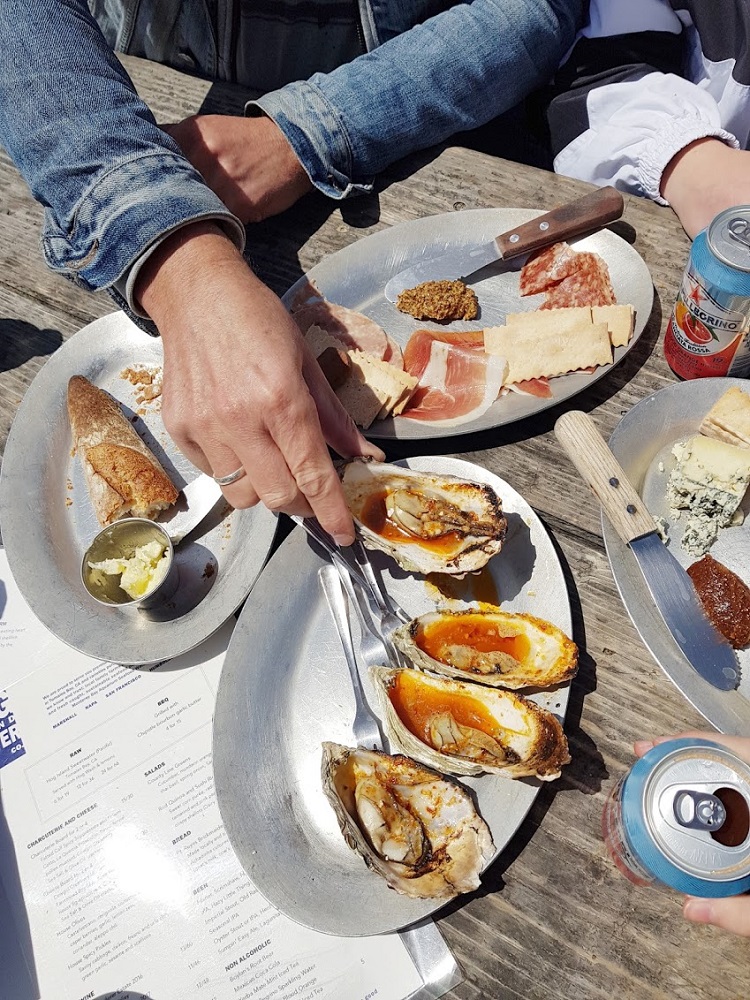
(147, 382)
(439, 300)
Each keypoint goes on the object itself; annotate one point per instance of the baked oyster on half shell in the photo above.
(497, 648)
(417, 829)
(464, 728)
(427, 523)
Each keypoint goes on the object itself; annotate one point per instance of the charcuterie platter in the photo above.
(355, 278)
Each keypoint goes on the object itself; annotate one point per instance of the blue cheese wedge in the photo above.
(709, 483)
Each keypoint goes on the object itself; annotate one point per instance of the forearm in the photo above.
(623, 112)
(454, 72)
(110, 180)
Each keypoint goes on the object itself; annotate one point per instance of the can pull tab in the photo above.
(739, 230)
(699, 810)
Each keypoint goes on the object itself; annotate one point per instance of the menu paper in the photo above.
(117, 880)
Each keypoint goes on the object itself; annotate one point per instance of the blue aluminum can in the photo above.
(707, 334)
(681, 818)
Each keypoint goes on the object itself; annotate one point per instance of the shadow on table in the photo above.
(20, 341)
(18, 975)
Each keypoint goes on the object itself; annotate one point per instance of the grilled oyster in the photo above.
(494, 647)
(417, 829)
(427, 523)
(464, 728)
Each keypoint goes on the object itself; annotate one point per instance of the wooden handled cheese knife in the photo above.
(673, 592)
(583, 215)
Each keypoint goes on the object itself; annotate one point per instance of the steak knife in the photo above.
(583, 215)
(673, 592)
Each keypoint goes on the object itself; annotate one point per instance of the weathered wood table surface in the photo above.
(554, 919)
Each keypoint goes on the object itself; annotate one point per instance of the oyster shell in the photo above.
(497, 648)
(427, 523)
(464, 728)
(417, 829)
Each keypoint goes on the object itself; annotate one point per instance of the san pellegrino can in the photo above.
(681, 818)
(707, 333)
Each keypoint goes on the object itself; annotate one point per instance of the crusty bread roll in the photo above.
(123, 476)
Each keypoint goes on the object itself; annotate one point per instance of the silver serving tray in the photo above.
(641, 441)
(284, 689)
(356, 276)
(48, 522)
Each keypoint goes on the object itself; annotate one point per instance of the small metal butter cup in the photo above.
(119, 541)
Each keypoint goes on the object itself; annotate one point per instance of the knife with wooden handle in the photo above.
(673, 592)
(584, 215)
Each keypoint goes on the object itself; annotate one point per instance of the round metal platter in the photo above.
(285, 689)
(356, 276)
(642, 442)
(48, 521)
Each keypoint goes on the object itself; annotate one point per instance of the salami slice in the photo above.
(546, 268)
(587, 285)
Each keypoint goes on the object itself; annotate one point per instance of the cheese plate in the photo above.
(643, 442)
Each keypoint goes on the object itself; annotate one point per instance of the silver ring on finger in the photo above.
(231, 478)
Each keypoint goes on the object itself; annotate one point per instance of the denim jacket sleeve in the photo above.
(110, 181)
(453, 72)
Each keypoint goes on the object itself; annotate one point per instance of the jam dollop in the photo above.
(725, 599)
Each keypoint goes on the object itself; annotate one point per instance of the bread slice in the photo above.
(374, 389)
(729, 418)
(123, 476)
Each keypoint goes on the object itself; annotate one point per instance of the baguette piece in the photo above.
(123, 476)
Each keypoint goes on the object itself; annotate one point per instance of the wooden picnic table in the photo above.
(553, 918)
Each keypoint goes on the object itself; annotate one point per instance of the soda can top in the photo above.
(728, 237)
(694, 799)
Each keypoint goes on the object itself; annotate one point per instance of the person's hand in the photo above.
(247, 162)
(240, 388)
(733, 912)
(703, 179)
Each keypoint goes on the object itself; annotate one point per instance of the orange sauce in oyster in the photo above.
(416, 702)
(477, 631)
(479, 588)
(375, 517)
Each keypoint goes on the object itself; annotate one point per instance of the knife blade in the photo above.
(196, 501)
(572, 219)
(672, 590)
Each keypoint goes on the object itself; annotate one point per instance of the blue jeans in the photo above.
(112, 183)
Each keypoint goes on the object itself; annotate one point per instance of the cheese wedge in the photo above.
(709, 483)
(729, 418)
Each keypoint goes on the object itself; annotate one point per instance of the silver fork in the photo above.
(366, 727)
(385, 614)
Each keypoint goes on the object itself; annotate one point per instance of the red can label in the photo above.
(705, 336)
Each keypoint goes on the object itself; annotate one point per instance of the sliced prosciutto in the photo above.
(355, 331)
(458, 380)
(538, 387)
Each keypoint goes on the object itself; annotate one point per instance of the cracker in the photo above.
(537, 350)
(619, 318)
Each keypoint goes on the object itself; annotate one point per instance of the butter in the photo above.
(142, 572)
(709, 482)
